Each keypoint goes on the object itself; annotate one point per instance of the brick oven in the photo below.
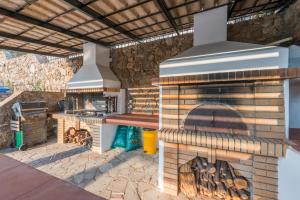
(240, 123)
(224, 115)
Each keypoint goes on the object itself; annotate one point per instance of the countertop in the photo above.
(140, 120)
(129, 119)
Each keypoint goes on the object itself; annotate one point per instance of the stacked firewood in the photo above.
(79, 137)
(201, 178)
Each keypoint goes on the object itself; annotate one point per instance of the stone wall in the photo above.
(34, 73)
(5, 110)
(135, 66)
(270, 28)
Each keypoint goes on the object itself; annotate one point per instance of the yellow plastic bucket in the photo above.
(150, 139)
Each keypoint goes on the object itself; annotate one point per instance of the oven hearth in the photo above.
(79, 136)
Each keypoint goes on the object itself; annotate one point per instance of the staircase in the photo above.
(4, 96)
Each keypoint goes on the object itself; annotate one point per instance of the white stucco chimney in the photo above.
(210, 26)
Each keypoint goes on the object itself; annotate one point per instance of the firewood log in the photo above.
(75, 139)
(205, 177)
(221, 192)
(87, 134)
(211, 168)
(187, 184)
(210, 189)
(217, 174)
(239, 183)
(243, 194)
(200, 164)
(234, 195)
(211, 179)
(194, 165)
(82, 132)
(204, 162)
(205, 188)
(201, 189)
(197, 174)
(227, 196)
(228, 177)
(223, 168)
(72, 131)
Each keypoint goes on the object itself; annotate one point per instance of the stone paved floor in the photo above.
(132, 175)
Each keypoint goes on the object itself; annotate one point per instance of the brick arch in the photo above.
(215, 117)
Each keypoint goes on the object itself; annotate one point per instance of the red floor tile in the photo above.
(296, 144)
(7, 163)
(21, 182)
(59, 190)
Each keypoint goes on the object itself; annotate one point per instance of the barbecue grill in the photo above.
(30, 118)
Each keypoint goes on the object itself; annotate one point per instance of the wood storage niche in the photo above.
(78, 136)
(199, 178)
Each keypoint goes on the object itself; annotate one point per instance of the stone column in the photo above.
(60, 130)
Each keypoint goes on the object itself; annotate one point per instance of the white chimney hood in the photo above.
(95, 71)
(212, 53)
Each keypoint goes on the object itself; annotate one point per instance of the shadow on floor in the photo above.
(85, 177)
(51, 140)
(57, 156)
(294, 138)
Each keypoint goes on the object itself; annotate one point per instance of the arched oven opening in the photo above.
(215, 118)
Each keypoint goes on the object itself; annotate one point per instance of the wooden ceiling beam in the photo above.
(41, 42)
(163, 6)
(284, 5)
(101, 18)
(232, 7)
(261, 6)
(49, 26)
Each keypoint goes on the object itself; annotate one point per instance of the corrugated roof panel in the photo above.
(139, 14)
(12, 5)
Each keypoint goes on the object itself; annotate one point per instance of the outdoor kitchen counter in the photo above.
(144, 121)
(96, 120)
(20, 181)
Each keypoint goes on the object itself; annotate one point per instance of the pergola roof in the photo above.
(60, 27)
